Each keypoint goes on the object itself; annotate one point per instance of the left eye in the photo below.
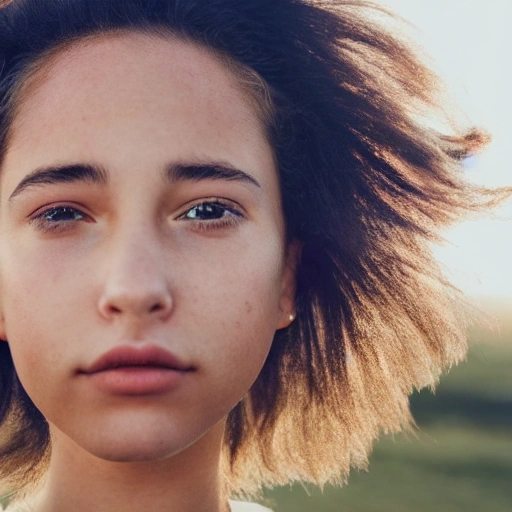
(208, 211)
(212, 215)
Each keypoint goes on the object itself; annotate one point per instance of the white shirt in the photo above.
(244, 506)
(236, 506)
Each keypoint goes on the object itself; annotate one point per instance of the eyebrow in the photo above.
(61, 174)
(208, 171)
(97, 174)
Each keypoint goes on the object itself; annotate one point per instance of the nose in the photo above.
(135, 303)
(136, 285)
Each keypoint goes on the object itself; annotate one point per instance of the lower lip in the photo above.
(137, 380)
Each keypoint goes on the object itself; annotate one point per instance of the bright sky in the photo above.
(471, 44)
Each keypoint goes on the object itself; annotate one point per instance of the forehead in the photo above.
(119, 73)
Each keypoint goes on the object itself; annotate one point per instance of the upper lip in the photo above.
(145, 355)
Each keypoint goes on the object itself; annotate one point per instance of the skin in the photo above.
(132, 261)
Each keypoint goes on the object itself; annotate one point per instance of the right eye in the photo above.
(57, 217)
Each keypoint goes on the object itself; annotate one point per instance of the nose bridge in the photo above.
(135, 283)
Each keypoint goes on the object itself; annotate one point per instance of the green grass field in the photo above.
(461, 460)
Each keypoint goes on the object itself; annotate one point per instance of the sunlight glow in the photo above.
(471, 45)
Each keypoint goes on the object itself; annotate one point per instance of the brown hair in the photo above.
(366, 183)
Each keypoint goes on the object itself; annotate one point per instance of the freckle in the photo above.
(248, 307)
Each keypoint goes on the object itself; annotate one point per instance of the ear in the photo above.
(3, 335)
(287, 311)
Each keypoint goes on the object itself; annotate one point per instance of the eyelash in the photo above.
(42, 222)
(231, 216)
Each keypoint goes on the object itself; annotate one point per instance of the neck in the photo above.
(187, 482)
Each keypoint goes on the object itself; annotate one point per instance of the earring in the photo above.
(291, 317)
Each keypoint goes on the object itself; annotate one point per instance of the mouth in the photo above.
(145, 356)
(137, 370)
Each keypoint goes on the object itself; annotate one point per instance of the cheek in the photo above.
(31, 336)
(46, 284)
(239, 305)
(241, 289)
(32, 305)
(28, 299)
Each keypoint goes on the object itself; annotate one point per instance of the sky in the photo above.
(471, 46)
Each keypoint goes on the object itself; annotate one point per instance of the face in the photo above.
(143, 268)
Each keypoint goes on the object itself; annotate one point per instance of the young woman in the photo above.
(214, 262)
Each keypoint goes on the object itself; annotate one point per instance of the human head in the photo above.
(364, 185)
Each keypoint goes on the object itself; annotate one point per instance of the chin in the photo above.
(142, 441)
(133, 447)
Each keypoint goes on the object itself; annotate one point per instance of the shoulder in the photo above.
(244, 506)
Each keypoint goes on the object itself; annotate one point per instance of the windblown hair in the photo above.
(366, 184)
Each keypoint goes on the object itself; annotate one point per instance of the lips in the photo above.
(145, 356)
(137, 370)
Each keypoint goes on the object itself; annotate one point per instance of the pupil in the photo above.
(62, 214)
(208, 211)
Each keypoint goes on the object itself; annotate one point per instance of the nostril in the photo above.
(155, 308)
(121, 305)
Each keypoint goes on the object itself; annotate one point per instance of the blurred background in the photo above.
(461, 459)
